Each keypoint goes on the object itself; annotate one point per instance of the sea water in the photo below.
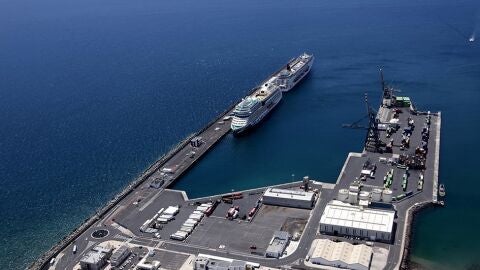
(92, 92)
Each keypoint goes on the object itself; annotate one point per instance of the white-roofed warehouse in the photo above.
(289, 198)
(341, 254)
(340, 218)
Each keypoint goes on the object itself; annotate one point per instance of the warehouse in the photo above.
(341, 254)
(289, 198)
(341, 218)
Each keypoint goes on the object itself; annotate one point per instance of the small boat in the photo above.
(441, 190)
(472, 38)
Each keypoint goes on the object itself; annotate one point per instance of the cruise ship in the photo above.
(294, 71)
(252, 109)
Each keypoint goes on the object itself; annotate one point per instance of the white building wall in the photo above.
(356, 232)
(287, 202)
(338, 264)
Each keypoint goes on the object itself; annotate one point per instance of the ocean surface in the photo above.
(92, 92)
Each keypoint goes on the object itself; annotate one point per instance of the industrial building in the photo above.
(96, 258)
(341, 254)
(278, 244)
(341, 218)
(147, 263)
(208, 262)
(119, 256)
(289, 198)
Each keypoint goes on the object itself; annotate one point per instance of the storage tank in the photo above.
(365, 195)
(387, 195)
(343, 195)
(376, 194)
(354, 188)
(353, 197)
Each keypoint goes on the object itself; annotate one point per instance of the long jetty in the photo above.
(43, 261)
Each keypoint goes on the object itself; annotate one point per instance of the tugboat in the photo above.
(441, 190)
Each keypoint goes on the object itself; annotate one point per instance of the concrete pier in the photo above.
(180, 158)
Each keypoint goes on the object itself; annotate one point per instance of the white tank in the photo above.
(387, 195)
(365, 195)
(343, 195)
(376, 194)
(352, 197)
(354, 188)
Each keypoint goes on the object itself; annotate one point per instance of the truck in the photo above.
(232, 212)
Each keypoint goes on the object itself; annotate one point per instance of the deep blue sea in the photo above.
(92, 92)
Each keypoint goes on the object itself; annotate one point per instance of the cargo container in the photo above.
(195, 217)
(171, 210)
(179, 235)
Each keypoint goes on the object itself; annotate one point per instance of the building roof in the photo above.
(119, 253)
(342, 252)
(214, 262)
(92, 257)
(97, 254)
(148, 263)
(347, 215)
(289, 194)
(279, 242)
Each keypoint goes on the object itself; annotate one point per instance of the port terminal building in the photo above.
(344, 219)
(342, 255)
(289, 198)
(96, 258)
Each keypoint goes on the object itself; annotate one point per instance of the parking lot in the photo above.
(236, 235)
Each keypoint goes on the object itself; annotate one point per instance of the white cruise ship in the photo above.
(294, 71)
(255, 107)
(251, 110)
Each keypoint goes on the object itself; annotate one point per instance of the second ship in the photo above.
(252, 109)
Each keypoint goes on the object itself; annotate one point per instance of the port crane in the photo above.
(372, 140)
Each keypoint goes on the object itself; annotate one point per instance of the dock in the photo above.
(166, 170)
(401, 155)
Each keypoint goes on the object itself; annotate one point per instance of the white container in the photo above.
(202, 208)
(195, 217)
(198, 213)
(171, 210)
(354, 188)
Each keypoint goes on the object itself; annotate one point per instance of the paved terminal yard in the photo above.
(410, 196)
(237, 235)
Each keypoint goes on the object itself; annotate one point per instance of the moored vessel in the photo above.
(252, 109)
(441, 190)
